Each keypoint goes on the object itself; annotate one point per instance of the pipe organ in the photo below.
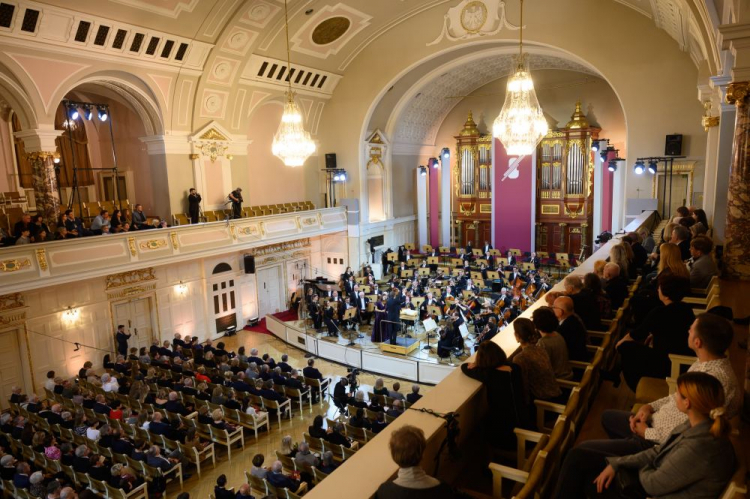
(471, 198)
(565, 184)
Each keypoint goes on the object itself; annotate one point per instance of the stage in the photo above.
(417, 365)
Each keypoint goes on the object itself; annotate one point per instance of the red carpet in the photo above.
(286, 316)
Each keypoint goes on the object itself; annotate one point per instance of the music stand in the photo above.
(392, 256)
(433, 260)
(423, 272)
(444, 250)
(351, 314)
(409, 246)
(477, 252)
(429, 326)
(407, 273)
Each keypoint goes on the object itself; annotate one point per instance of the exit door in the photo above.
(269, 291)
(137, 317)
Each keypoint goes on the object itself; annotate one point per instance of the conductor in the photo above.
(393, 309)
(236, 198)
(194, 206)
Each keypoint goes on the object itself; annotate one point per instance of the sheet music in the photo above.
(430, 325)
(464, 330)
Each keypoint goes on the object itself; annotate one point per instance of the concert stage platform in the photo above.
(416, 364)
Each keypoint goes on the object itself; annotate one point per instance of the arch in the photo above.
(17, 99)
(221, 268)
(376, 190)
(136, 92)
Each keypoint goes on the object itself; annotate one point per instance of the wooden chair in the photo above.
(319, 385)
(285, 406)
(196, 457)
(251, 422)
(257, 485)
(318, 476)
(299, 396)
(137, 493)
(225, 438)
(316, 444)
(180, 219)
(355, 433)
(174, 473)
(287, 463)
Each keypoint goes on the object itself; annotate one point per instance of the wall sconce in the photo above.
(193, 156)
(70, 316)
(707, 120)
(229, 157)
(181, 289)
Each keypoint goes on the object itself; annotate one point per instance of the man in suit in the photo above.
(487, 247)
(640, 255)
(396, 410)
(702, 266)
(279, 480)
(571, 328)
(414, 395)
(363, 316)
(681, 237)
(285, 367)
(310, 371)
(534, 259)
(393, 310)
(255, 358)
(140, 222)
(194, 205)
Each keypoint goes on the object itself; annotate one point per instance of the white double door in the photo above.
(270, 291)
(11, 369)
(138, 318)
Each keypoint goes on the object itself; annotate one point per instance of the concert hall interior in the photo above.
(533, 215)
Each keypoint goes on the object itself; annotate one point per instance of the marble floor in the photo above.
(269, 442)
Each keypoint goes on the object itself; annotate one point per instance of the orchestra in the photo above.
(475, 293)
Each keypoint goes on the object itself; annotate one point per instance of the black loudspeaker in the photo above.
(331, 160)
(673, 147)
(249, 264)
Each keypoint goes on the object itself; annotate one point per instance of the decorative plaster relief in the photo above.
(223, 71)
(128, 278)
(326, 33)
(472, 19)
(168, 8)
(260, 13)
(213, 103)
(239, 40)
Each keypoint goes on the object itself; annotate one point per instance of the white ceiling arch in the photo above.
(417, 116)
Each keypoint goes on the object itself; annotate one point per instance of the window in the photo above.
(224, 297)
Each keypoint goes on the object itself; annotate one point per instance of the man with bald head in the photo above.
(616, 288)
(571, 328)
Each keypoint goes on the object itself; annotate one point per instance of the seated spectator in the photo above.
(407, 446)
(380, 423)
(647, 240)
(24, 237)
(359, 400)
(336, 436)
(316, 429)
(359, 421)
(571, 328)
(37, 487)
(327, 464)
(599, 268)
(414, 395)
(379, 388)
(645, 350)
(258, 470)
(536, 370)
(395, 393)
(545, 321)
(287, 448)
(220, 490)
(24, 225)
(100, 222)
(109, 383)
(243, 493)
(615, 288)
(305, 456)
(21, 477)
(285, 367)
(681, 238)
(276, 478)
(593, 286)
(702, 266)
(697, 460)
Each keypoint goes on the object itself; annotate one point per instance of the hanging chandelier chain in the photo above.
(288, 53)
(520, 44)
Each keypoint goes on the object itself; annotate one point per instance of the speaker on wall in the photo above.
(331, 160)
(673, 146)
(249, 264)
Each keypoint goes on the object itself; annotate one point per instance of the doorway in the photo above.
(138, 318)
(679, 187)
(269, 291)
(11, 369)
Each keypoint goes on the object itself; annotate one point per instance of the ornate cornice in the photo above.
(128, 278)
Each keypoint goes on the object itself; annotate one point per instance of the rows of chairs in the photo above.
(536, 468)
(247, 212)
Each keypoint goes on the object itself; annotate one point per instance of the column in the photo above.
(737, 233)
(445, 198)
(421, 208)
(41, 148)
(432, 171)
(563, 246)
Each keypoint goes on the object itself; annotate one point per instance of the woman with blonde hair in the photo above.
(671, 261)
(599, 268)
(619, 255)
(696, 460)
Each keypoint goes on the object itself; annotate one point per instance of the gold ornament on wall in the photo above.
(153, 244)
(132, 277)
(14, 264)
(41, 258)
(737, 92)
(708, 121)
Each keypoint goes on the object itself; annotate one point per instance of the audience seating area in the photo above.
(247, 212)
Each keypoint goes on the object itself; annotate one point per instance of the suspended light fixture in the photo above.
(88, 113)
(422, 171)
(612, 165)
(73, 112)
(292, 144)
(640, 167)
(103, 114)
(652, 167)
(521, 123)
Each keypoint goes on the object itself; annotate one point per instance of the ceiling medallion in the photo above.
(473, 17)
(330, 30)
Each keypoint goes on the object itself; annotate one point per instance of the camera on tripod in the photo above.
(603, 238)
(351, 376)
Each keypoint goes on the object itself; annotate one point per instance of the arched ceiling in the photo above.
(426, 105)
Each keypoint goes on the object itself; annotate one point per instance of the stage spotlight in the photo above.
(73, 112)
(639, 167)
(612, 165)
(103, 114)
(423, 171)
(88, 113)
(652, 166)
(435, 163)
(595, 145)
(446, 153)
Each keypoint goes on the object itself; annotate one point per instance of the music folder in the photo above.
(464, 330)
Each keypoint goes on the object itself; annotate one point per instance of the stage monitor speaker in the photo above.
(673, 146)
(249, 264)
(331, 160)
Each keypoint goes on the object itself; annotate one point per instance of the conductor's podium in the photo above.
(403, 346)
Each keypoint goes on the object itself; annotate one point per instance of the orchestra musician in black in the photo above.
(330, 321)
(315, 312)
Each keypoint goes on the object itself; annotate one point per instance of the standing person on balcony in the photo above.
(235, 197)
(194, 206)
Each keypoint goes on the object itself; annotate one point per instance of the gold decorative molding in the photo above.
(466, 209)
(277, 248)
(12, 319)
(309, 221)
(485, 208)
(550, 209)
(131, 291)
(213, 134)
(14, 264)
(213, 150)
(43, 155)
(233, 231)
(251, 230)
(131, 246)
(11, 301)
(128, 278)
(297, 223)
(41, 258)
(736, 92)
(173, 237)
(262, 229)
(152, 244)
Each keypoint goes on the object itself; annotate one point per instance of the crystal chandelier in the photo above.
(292, 144)
(521, 123)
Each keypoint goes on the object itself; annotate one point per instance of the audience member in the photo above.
(538, 377)
(571, 328)
(545, 321)
(702, 266)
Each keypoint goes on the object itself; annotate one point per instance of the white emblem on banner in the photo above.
(512, 171)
